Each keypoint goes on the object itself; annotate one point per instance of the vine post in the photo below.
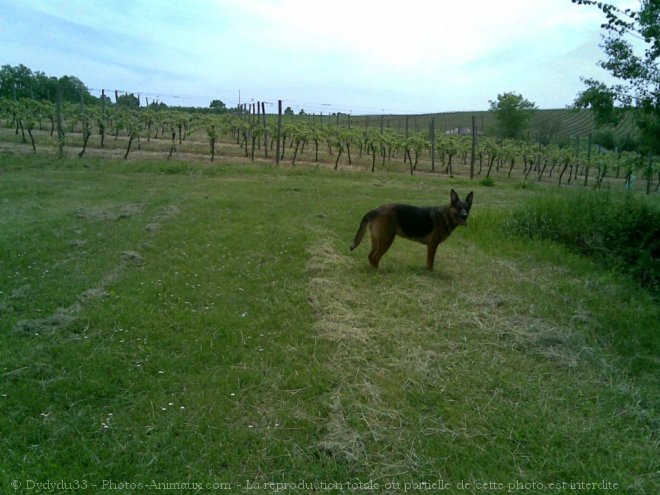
(82, 108)
(58, 116)
(577, 156)
(279, 132)
(433, 144)
(473, 154)
(263, 116)
(84, 125)
(405, 155)
(586, 169)
(102, 119)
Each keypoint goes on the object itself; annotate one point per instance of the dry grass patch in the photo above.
(464, 363)
(380, 358)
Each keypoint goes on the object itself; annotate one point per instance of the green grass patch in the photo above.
(487, 182)
(621, 231)
(207, 324)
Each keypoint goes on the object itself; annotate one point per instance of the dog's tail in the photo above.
(363, 228)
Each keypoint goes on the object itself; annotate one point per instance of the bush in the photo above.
(621, 232)
(487, 182)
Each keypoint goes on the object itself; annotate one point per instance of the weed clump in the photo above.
(621, 232)
(487, 182)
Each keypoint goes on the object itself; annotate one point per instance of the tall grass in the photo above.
(619, 231)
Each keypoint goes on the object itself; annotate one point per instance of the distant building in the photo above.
(461, 131)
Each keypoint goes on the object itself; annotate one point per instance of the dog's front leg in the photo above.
(430, 254)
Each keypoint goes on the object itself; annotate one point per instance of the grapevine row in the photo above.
(335, 143)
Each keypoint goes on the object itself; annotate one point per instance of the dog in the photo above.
(428, 225)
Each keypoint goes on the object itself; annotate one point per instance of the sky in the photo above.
(325, 56)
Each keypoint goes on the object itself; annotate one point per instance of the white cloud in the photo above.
(411, 55)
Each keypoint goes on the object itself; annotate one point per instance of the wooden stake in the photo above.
(279, 132)
(586, 170)
(432, 144)
(473, 154)
(58, 116)
(263, 115)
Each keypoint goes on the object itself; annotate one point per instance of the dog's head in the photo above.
(459, 210)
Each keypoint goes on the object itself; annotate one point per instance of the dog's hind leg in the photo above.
(380, 243)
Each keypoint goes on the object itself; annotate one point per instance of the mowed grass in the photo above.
(186, 323)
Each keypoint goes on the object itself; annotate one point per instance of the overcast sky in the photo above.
(356, 56)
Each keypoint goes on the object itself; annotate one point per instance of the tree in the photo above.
(218, 106)
(634, 64)
(20, 82)
(513, 113)
(288, 111)
(72, 88)
(128, 101)
(16, 82)
(45, 87)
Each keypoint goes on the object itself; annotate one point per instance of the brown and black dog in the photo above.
(429, 225)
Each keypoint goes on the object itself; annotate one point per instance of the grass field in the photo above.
(204, 328)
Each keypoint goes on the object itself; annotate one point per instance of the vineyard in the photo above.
(182, 309)
(174, 316)
(558, 147)
(555, 125)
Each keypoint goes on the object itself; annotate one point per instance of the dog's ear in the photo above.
(454, 197)
(469, 197)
